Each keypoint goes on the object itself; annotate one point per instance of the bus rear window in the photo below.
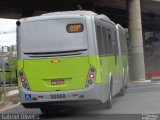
(72, 28)
(51, 35)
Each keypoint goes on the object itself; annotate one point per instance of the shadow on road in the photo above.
(71, 112)
(68, 111)
(81, 114)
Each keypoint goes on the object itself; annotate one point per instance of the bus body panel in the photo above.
(73, 70)
(97, 92)
(41, 72)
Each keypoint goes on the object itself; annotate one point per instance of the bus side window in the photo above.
(123, 43)
(116, 44)
(106, 42)
(100, 40)
(110, 41)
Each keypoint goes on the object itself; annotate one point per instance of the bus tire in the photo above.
(121, 93)
(48, 110)
(108, 103)
(127, 78)
(43, 110)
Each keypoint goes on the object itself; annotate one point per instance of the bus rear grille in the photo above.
(54, 54)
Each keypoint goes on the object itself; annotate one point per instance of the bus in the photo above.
(70, 58)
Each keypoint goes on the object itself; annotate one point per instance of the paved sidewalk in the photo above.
(13, 92)
(8, 94)
(12, 99)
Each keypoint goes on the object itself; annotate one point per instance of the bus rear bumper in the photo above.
(70, 103)
(94, 94)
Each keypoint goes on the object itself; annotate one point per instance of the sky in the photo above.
(7, 32)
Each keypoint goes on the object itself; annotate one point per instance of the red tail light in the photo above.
(91, 76)
(23, 79)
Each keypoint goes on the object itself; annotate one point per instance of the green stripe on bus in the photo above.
(74, 70)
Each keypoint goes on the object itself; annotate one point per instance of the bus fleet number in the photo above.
(58, 96)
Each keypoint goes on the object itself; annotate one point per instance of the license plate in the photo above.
(57, 82)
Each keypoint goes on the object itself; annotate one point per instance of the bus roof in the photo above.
(72, 13)
(68, 14)
(79, 12)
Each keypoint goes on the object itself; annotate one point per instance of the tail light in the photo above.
(23, 80)
(91, 76)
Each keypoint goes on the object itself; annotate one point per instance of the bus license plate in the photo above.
(58, 96)
(57, 82)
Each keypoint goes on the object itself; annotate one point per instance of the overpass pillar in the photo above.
(137, 69)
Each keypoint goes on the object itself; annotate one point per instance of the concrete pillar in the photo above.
(137, 69)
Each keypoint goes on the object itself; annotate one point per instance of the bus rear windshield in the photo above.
(53, 36)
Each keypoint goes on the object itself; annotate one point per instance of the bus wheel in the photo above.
(108, 103)
(45, 110)
(121, 93)
(48, 110)
(126, 86)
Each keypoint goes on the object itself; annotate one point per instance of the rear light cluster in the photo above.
(24, 81)
(91, 76)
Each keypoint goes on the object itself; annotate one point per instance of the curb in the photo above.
(140, 81)
(144, 83)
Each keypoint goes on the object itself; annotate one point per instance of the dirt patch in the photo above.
(10, 101)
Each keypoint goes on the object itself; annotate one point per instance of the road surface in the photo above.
(139, 100)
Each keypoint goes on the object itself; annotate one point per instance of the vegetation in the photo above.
(13, 64)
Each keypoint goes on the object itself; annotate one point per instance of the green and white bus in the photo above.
(70, 58)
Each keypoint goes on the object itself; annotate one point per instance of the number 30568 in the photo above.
(58, 96)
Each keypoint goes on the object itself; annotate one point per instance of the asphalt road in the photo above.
(139, 100)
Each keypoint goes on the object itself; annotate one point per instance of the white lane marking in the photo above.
(10, 107)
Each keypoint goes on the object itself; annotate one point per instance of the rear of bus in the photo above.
(54, 65)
